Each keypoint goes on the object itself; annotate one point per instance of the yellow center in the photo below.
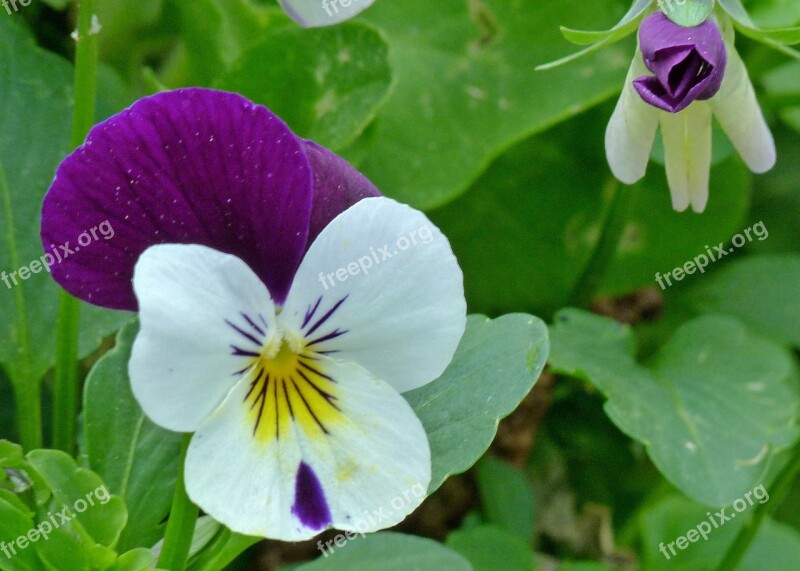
(288, 385)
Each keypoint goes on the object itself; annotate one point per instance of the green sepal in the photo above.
(687, 13)
(599, 39)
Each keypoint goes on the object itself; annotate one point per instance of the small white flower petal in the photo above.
(631, 130)
(687, 155)
(381, 287)
(318, 13)
(196, 305)
(358, 460)
(738, 112)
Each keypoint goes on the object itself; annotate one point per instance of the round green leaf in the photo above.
(389, 552)
(495, 366)
(713, 410)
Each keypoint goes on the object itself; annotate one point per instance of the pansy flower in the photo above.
(286, 360)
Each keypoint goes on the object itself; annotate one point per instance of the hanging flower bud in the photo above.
(698, 74)
(688, 63)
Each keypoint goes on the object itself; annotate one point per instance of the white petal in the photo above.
(317, 13)
(687, 155)
(737, 110)
(366, 470)
(382, 285)
(631, 130)
(192, 299)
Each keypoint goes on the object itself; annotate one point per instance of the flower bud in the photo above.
(688, 63)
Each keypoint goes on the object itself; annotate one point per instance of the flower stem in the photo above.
(611, 232)
(781, 485)
(27, 397)
(221, 551)
(182, 521)
(27, 389)
(65, 385)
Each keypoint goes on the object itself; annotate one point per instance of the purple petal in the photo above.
(688, 63)
(337, 187)
(188, 166)
(310, 505)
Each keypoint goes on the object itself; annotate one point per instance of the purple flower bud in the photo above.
(688, 63)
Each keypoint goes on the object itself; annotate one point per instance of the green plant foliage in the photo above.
(715, 406)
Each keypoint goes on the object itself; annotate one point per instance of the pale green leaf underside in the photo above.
(713, 409)
(389, 551)
(495, 366)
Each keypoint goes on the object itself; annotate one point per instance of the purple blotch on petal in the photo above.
(188, 166)
(688, 63)
(310, 505)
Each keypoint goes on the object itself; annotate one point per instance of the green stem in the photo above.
(781, 485)
(27, 389)
(222, 550)
(610, 235)
(65, 385)
(27, 398)
(182, 521)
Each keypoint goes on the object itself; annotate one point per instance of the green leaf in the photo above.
(389, 551)
(16, 520)
(762, 291)
(327, 84)
(137, 459)
(777, 39)
(126, 40)
(776, 12)
(136, 560)
(714, 408)
(57, 4)
(687, 13)
(495, 366)
(673, 516)
(490, 548)
(35, 87)
(205, 530)
(222, 549)
(216, 33)
(97, 514)
(776, 201)
(465, 89)
(507, 497)
(524, 232)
